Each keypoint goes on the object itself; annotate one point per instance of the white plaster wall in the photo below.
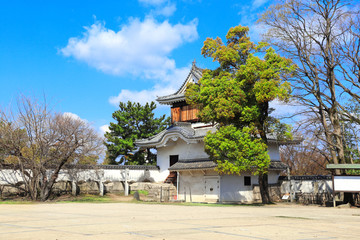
(273, 177)
(307, 186)
(8, 176)
(192, 185)
(134, 175)
(232, 188)
(181, 148)
(273, 150)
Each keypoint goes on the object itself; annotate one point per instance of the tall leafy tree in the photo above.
(133, 121)
(236, 95)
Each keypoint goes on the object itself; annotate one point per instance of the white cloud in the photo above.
(285, 109)
(140, 48)
(160, 7)
(257, 30)
(142, 96)
(104, 129)
(153, 2)
(73, 116)
(168, 85)
(166, 10)
(258, 3)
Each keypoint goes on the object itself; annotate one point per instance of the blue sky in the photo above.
(86, 56)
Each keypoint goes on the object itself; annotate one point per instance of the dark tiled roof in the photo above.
(84, 166)
(307, 177)
(181, 128)
(171, 98)
(198, 164)
(138, 167)
(277, 165)
(192, 164)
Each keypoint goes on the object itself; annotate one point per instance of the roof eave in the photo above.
(170, 101)
(158, 143)
(191, 169)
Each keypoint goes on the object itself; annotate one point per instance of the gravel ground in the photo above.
(156, 221)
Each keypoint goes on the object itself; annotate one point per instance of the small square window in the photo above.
(173, 159)
(247, 181)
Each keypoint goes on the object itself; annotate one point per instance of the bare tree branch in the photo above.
(39, 142)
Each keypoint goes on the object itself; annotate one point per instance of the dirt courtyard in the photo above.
(155, 221)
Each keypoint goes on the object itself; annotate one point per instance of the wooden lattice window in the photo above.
(185, 113)
(188, 113)
(175, 114)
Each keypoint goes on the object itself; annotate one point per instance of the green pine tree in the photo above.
(132, 121)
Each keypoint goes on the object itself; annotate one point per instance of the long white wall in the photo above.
(9, 176)
(307, 186)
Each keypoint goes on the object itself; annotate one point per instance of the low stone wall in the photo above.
(66, 187)
(308, 189)
(114, 187)
(157, 192)
(62, 187)
(306, 184)
(7, 190)
(274, 191)
(314, 198)
(83, 179)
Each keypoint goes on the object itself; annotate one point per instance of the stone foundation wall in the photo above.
(66, 187)
(85, 179)
(6, 190)
(114, 187)
(274, 190)
(308, 189)
(157, 192)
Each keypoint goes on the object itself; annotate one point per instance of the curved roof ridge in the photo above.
(195, 74)
(187, 133)
(194, 69)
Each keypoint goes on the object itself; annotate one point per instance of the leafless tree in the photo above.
(37, 143)
(311, 156)
(322, 38)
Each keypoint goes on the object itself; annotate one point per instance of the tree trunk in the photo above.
(47, 187)
(264, 188)
(48, 184)
(45, 193)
